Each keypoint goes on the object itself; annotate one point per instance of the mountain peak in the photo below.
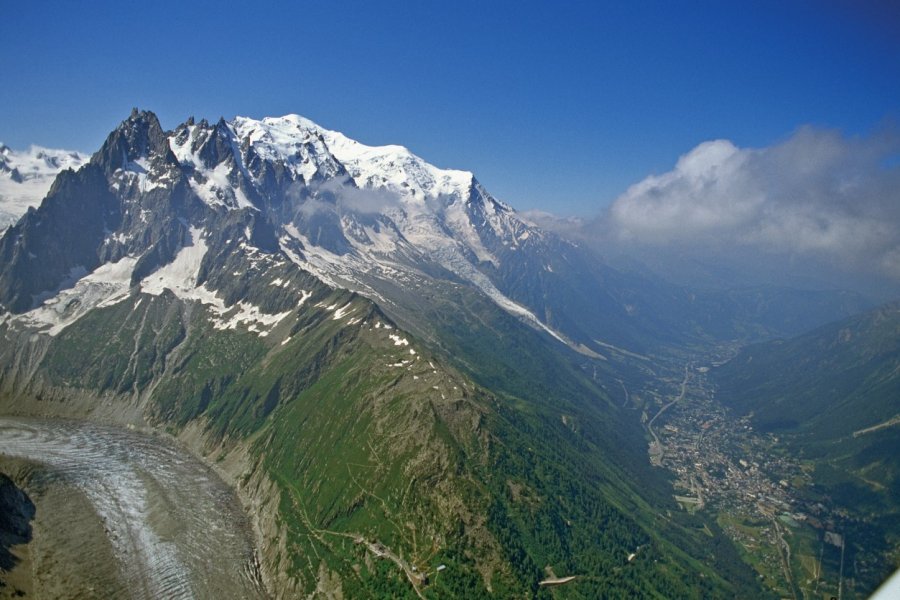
(138, 136)
(390, 167)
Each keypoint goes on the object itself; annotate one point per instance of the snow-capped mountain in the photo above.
(169, 210)
(25, 177)
(376, 215)
(377, 220)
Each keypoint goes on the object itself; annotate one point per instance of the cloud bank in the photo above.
(818, 196)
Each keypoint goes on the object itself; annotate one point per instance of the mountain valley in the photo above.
(416, 391)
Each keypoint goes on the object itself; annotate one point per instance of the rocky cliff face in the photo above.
(16, 513)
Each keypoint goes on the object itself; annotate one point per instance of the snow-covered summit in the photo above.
(304, 146)
(378, 220)
(26, 176)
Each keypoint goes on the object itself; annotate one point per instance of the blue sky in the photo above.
(554, 105)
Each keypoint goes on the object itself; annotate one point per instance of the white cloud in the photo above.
(817, 196)
(339, 196)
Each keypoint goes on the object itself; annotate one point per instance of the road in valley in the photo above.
(656, 451)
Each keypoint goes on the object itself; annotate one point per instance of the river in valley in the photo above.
(176, 530)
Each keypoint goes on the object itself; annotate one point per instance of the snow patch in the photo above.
(399, 341)
(243, 313)
(339, 313)
(139, 170)
(215, 189)
(180, 275)
(105, 286)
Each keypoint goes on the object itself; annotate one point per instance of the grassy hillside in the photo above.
(388, 461)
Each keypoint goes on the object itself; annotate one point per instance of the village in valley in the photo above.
(751, 487)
